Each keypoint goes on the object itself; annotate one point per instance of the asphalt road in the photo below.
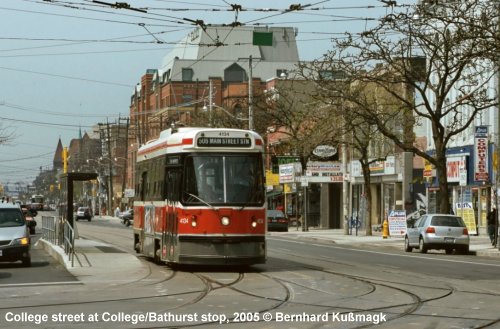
(44, 269)
(304, 284)
(463, 267)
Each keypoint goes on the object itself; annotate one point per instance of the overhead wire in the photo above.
(151, 16)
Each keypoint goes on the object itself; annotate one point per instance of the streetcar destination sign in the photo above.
(224, 141)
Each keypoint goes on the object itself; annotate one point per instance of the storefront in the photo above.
(389, 187)
(469, 175)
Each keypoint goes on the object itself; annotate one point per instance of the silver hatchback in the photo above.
(438, 231)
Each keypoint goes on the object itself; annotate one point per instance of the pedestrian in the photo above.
(117, 212)
(491, 219)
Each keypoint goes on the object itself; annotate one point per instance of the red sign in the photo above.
(481, 157)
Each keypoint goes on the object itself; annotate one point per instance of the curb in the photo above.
(55, 252)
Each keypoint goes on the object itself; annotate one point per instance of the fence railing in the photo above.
(59, 233)
(50, 229)
(69, 242)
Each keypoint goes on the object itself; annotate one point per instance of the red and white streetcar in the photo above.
(200, 197)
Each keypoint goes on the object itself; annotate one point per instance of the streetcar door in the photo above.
(172, 184)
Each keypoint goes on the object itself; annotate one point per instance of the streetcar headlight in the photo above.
(225, 221)
(194, 221)
(254, 222)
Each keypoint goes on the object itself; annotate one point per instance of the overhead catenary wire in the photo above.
(136, 20)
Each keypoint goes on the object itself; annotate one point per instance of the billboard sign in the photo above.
(481, 154)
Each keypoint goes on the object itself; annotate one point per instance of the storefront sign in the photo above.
(272, 179)
(387, 167)
(288, 172)
(324, 171)
(397, 223)
(325, 151)
(481, 154)
(453, 165)
(428, 168)
(466, 211)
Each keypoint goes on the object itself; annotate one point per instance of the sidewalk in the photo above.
(98, 262)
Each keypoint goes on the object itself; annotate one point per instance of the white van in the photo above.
(15, 239)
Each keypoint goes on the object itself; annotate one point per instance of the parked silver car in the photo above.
(438, 231)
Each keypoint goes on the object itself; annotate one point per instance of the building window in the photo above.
(281, 73)
(235, 73)
(187, 74)
(331, 75)
(187, 98)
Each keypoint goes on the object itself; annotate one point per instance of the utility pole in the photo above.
(345, 188)
(210, 101)
(110, 168)
(497, 187)
(125, 156)
(250, 93)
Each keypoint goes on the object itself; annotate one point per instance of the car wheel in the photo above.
(407, 245)
(26, 261)
(89, 219)
(464, 250)
(422, 247)
(448, 251)
(127, 223)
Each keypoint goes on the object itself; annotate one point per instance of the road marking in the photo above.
(31, 284)
(392, 254)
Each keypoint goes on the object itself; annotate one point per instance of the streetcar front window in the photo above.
(224, 179)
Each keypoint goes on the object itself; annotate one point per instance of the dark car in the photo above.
(276, 220)
(84, 213)
(29, 216)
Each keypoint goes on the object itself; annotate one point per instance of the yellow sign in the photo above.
(466, 211)
(272, 179)
(427, 168)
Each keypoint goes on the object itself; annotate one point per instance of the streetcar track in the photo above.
(211, 284)
(101, 300)
(279, 303)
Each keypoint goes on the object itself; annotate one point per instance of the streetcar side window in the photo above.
(143, 185)
(172, 184)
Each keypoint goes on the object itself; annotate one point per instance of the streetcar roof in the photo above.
(184, 139)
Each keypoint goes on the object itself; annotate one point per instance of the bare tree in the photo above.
(7, 134)
(303, 121)
(434, 54)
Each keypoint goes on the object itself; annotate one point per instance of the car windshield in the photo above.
(447, 221)
(275, 214)
(230, 179)
(10, 218)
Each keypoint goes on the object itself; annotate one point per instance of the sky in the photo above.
(66, 65)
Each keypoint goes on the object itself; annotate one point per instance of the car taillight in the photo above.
(466, 232)
(430, 229)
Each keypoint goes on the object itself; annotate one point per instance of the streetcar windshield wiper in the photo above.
(200, 199)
